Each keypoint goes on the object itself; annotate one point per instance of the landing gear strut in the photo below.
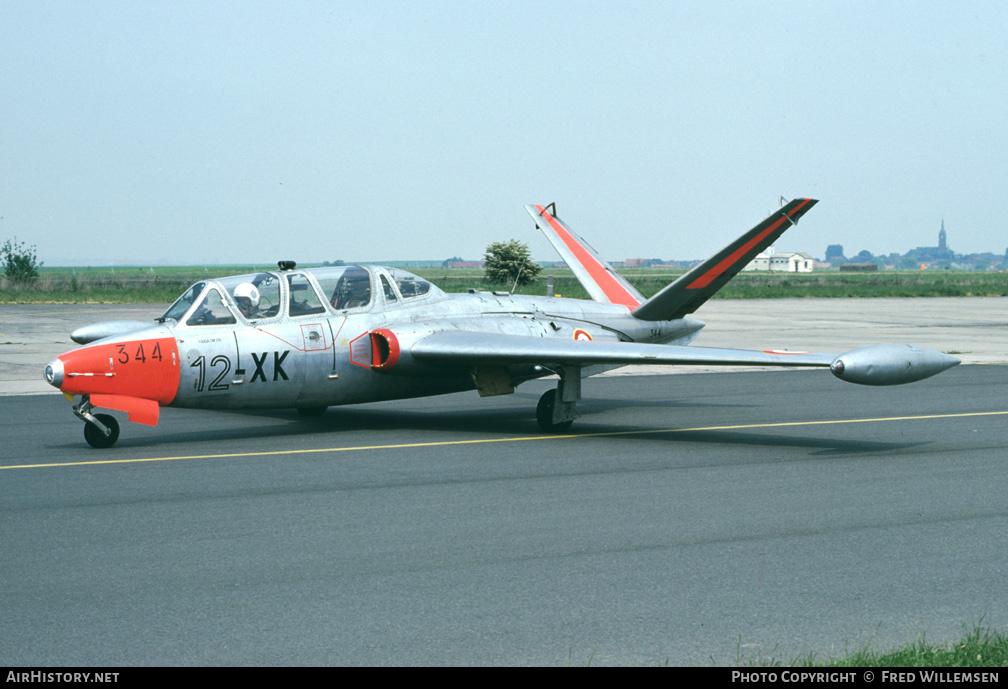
(557, 408)
(100, 430)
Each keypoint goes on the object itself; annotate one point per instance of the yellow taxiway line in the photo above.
(448, 443)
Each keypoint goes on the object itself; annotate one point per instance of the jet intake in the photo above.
(889, 364)
(384, 349)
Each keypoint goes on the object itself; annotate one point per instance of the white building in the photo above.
(782, 262)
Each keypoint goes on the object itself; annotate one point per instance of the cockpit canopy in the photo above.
(332, 290)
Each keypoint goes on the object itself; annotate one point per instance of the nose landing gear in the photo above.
(100, 430)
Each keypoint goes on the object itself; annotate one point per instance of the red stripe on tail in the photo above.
(613, 290)
(722, 266)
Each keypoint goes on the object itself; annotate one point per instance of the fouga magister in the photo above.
(310, 339)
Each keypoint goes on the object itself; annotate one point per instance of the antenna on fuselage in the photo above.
(518, 276)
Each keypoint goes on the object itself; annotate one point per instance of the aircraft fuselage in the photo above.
(336, 357)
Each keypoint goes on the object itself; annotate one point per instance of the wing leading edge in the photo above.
(472, 348)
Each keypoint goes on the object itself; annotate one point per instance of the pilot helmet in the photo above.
(247, 290)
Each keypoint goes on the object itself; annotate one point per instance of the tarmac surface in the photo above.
(689, 520)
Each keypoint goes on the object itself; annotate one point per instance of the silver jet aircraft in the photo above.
(310, 339)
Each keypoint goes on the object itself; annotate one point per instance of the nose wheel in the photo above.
(100, 430)
(99, 438)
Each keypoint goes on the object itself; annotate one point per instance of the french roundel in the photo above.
(580, 334)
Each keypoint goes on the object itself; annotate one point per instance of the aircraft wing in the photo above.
(883, 364)
(473, 348)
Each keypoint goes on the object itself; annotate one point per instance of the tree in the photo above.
(834, 251)
(20, 262)
(505, 262)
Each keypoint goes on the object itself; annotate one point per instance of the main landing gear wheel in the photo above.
(544, 414)
(96, 438)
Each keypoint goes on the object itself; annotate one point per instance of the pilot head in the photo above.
(247, 297)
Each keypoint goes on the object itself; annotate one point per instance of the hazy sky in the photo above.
(243, 132)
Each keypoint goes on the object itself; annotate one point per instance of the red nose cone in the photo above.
(145, 368)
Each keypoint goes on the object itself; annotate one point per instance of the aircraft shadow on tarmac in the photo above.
(824, 446)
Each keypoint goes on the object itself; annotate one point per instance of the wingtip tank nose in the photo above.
(890, 364)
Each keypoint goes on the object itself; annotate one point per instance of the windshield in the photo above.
(182, 304)
(212, 311)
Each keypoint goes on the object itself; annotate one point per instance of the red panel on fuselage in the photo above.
(147, 368)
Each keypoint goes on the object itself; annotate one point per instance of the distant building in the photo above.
(933, 256)
(783, 262)
(645, 263)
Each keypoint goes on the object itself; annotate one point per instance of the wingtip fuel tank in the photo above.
(890, 364)
(99, 331)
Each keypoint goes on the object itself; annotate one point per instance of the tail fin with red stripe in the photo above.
(598, 277)
(688, 293)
